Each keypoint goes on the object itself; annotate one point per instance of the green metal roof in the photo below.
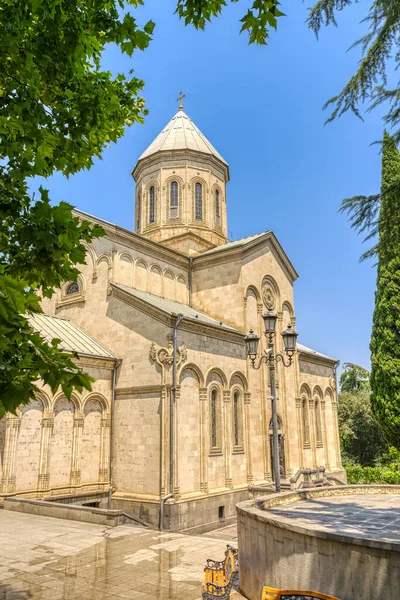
(73, 338)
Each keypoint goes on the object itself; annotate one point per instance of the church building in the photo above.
(174, 438)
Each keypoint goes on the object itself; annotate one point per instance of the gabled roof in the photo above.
(181, 134)
(171, 307)
(234, 243)
(306, 350)
(73, 338)
(246, 244)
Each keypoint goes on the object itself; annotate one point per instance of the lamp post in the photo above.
(289, 340)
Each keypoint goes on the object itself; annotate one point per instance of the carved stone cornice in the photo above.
(79, 419)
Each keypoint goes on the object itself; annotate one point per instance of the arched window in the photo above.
(152, 204)
(304, 416)
(217, 209)
(215, 421)
(73, 288)
(138, 211)
(318, 428)
(237, 420)
(198, 190)
(173, 200)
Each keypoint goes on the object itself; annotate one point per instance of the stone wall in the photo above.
(282, 554)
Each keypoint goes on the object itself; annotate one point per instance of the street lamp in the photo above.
(289, 341)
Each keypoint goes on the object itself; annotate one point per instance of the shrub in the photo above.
(367, 475)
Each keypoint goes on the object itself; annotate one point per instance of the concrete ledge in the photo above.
(290, 548)
(86, 514)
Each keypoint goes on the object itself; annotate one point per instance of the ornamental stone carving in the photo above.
(164, 357)
(268, 294)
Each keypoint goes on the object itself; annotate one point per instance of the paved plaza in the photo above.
(374, 516)
(51, 559)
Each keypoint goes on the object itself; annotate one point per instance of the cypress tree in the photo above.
(385, 340)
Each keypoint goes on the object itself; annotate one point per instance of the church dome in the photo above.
(181, 134)
(180, 197)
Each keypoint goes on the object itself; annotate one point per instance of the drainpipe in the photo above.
(113, 382)
(171, 420)
(190, 278)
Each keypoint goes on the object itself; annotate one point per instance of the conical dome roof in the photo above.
(181, 134)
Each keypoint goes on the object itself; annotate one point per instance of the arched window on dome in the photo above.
(173, 200)
(138, 211)
(217, 209)
(152, 204)
(198, 201)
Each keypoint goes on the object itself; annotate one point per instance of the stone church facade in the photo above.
(175, 277)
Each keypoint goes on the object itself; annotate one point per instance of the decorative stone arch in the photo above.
(157, 203)
(329, 393)
(270, 293)
(167, 195)
(317, 400)
(216, 375)
(43, 398)
(252, 288)
(192, 188)
(237, 378)
(305, 390)
(287, 315)
(141, 279)
(92, 253)
(195, 369)
(317, 391)
(96, 396)
(74, 399)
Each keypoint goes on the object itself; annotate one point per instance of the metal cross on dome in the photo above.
(179, 99)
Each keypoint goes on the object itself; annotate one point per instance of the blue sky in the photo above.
(261, 107)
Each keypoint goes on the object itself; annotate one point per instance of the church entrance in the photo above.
(281, 444)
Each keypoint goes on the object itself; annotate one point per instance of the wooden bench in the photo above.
(273, 594)
(220, 576)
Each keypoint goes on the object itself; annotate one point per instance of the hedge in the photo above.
(357, 475)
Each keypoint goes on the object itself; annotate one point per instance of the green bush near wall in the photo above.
(357, 475)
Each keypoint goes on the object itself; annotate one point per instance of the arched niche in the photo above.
(27, 457)
(61, 443)
(189, 440)
(125, 270)
(252, 300)
(91, 441)
(141, 275)
(181, 289)
(287, 315)
(169, 285)
(156, 280)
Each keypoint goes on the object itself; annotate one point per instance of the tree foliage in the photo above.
(354, 378)
(361, 438)
(58, 110)
(385, 340)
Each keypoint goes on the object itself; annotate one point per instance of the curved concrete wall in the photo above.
(285, 554)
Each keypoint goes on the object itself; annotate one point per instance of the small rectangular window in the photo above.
(221, 513)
